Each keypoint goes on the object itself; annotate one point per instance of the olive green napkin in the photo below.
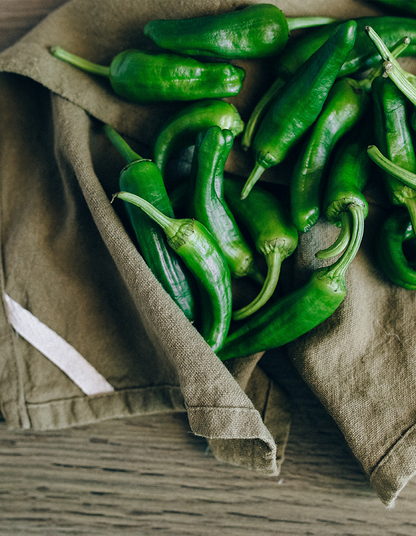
(87, 333)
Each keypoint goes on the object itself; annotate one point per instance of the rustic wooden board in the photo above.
(141, 475)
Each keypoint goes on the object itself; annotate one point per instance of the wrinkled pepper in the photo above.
(348, 174)
(142, 177)
(208, 206)
(202, 255)
(141, 76)
(267, 221)
(257, 31)
(345, 106)
(297, 312)
(181, 128)
(299, 103)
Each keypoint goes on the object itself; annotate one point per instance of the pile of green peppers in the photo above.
(340, 102)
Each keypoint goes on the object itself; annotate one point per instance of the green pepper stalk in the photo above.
(257, 31)
(362, 57)
(348, 174)
(391, 257)
(142, 177)
(344, 107)
(299, 311)
(392, 134)
(207, 203)
(181, 128)
(404, 80)
(267, 221)
(403, 175)
(142, 77)
(299, 102)
(202, 255)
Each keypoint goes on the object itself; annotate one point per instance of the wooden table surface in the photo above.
(139, 475)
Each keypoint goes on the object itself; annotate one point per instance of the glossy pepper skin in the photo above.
(296, 313)
(181, 129)
(257, 31)
(392, 134)
(206, 202)
(267, 221)
(363, 56)
(204, 258)
(299, 103)
(142, 177)
(348, 174)
(141, 76)
(343, 109)
(391, 257)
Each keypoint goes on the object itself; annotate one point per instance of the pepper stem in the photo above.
(404, 80)
(296, 23)
(338, 269)
(378, 70)
(170, 226)
(274, 263)
(121, 145)
(251, 181)
(406, 177)
(342, 240)
(81, 63)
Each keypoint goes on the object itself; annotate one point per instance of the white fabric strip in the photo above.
(56, 349)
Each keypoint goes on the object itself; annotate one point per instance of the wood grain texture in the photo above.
(142, 475)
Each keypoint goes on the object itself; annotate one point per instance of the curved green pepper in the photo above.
(296, 313)
(200, 252)
(142, 177)
(345, 106)
(391, 257)
(393, 137)
(299, 102)
(348, 174)
(181, 128)
(257, 31)
(268, 223)
(207, 203)
(362, 56)
(141, 76)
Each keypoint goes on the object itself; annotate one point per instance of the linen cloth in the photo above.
(69, 261)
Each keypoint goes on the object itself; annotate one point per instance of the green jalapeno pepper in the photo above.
(268, 223)
(299, 102)
(362, 56)
(204, 258)
(143, 177)
(348, 174)
(257, 31)
(345, 106)
(296, 313)
(142, 76)
(182, 128)
(392, 134)
(391, 257)
(207, 203)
